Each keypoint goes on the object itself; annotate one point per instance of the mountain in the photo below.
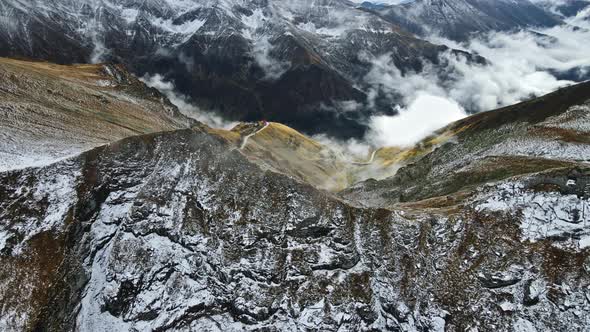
(483, 226)
(460, 19)
(566, 8)
(302, 63)
(531, 137)
(50, 111)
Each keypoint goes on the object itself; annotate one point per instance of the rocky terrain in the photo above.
(484, 226)
(460, 19)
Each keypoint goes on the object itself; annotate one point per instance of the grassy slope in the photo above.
(49, 109)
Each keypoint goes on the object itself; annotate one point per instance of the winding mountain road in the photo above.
(367, 162)
(245, 141)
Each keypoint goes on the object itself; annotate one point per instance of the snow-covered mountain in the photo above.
(459, 19)
(303, 62)
(484, 227)
(118, 212)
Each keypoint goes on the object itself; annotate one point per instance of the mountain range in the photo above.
(459, 19)
(482, 225)
(296, 62)
(121, 211)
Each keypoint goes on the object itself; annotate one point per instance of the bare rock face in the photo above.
(179, 231)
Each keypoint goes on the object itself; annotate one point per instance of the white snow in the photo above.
(129, 15)
(252, 23)
(310, 316)
(507, 306)
(25, 158)
(438, 324)
(542, 214)
(57, 187)
(4, 236)
(523, 325)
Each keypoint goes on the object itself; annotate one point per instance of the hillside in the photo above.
(530, 137)
(50, 111)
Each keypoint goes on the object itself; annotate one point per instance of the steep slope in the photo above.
(294, 62)
(459, 19)
(178, 231)
(50, 111)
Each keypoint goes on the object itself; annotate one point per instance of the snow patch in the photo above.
(543, 214)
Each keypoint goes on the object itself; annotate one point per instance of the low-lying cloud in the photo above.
(184, 105)
(424, 115)
(521, 65)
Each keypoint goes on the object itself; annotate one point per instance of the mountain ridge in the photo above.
(458, 20)
(161, 223)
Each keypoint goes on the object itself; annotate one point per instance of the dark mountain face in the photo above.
(459, 19)
(569, 8)
(293, 62)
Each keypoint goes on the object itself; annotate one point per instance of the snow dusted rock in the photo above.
(547, 210)
(178, 231)
(169, 235)
(458, 19)
(296, 62)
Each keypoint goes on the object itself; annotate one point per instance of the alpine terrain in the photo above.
(123, 209)
(296, 62)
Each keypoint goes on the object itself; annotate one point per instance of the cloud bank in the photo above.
(424, 115)
(521, 65)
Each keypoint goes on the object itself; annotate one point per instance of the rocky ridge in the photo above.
(198, 229)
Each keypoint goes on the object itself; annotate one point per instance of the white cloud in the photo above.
(424, 115)
(428, 104)
(273, 68)
(521, 65)
(184, 105)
